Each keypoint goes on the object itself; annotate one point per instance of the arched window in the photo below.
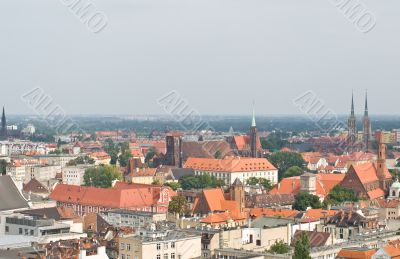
(393, 193)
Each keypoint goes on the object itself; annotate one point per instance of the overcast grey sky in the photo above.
(218, 54)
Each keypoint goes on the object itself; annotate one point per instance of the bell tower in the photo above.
(237, 193)
(381, 165)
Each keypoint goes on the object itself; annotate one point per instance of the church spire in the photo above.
(253, 121)
(366, 104)
(253, 136)
(351, 124)
(3, 132)
(352, 103)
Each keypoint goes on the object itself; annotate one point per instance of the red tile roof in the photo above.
(357, 253)
(376, 193)
(222, 217)
(273, 212)
(229, 164)
(291, 185)
(243, 142)
(136, 196)
(319, 213)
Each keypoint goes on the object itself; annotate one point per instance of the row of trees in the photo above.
(337, 195)
(101, 176)
(262, 181)
(188, 182)
(82, 160)
(288, 163)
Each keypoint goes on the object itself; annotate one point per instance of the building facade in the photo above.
(231, 168)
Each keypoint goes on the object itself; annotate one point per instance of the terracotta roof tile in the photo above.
(229, 164)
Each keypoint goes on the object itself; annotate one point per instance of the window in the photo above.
(172, 255)
(31, 232)
(172, 244)
(128, 257)
(128, 247)
(7, 229)
(122, 246)
(158, 256)
(20, 231)
(165, 256)
(122, 256)
(158, 246)
(165, 245)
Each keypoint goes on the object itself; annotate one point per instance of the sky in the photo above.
(219, 56)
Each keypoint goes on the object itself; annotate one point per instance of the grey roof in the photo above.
(270, 222)
(179, 172)
(10, 197)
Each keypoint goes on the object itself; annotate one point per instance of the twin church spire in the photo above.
(352, 127)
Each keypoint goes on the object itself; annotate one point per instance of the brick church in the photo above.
(370, 180)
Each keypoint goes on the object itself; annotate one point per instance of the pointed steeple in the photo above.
(253, 121)
(3, 119)
(352, 103)
(3, 130)
(366, 104)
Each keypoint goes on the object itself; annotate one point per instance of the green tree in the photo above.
(265, 183)
(177, 205)
(101, 176)
(124, 158)
(188, 182)
(173, 185)
(82, 160)
(149, 156)
(284, 160)
(293, 171)
(340, 194)
(302, 248)
(304, 200)
(218, 154)
(279, 247)
(274, 141)
(3, 166)
(112, 150)
(253, 180)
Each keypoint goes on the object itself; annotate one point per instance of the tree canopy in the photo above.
(200, 182)
(112, 150)
(173, 185)
(177, 205)
(262, 181)
(101, 176)
(302, 248)
(340, 194)
(279, 247)
(3, 166)
(293, 171)
(82, 160)
(304, 200)
(284, 160)
(274, 141)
